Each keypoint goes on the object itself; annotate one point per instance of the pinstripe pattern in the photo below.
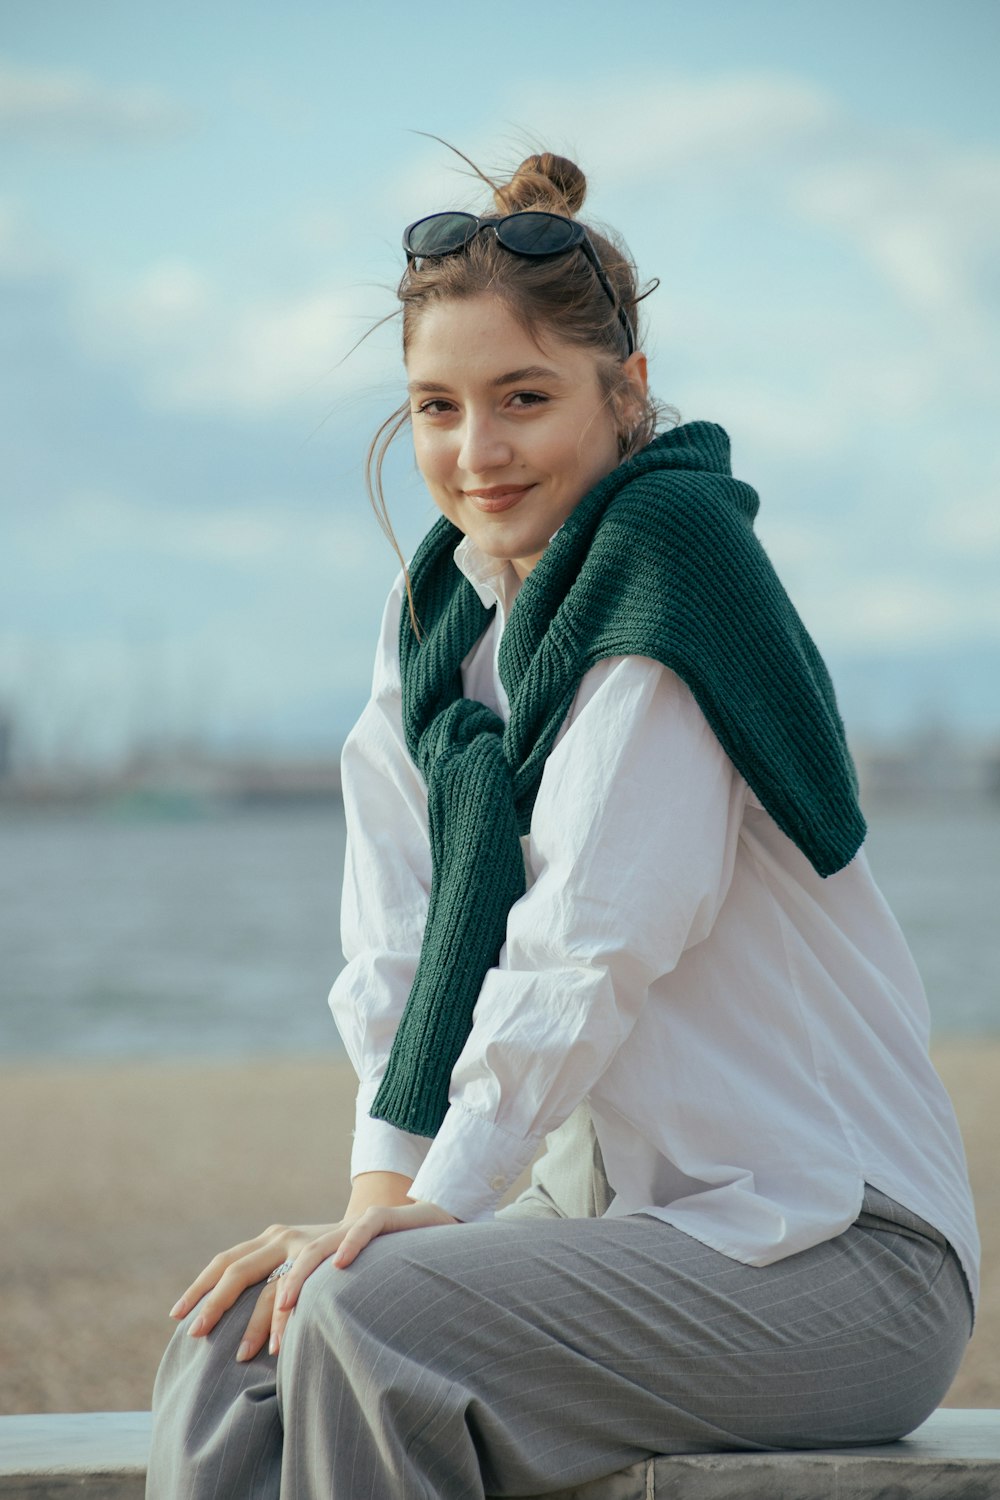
(222, 1419)
(531, 1353)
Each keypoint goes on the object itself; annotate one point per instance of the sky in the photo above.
(200, 217)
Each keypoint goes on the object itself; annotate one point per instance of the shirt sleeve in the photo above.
(630, 855)
(387, 876)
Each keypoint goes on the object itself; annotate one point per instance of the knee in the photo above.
(192, 1365)
(370, 1327)
(318, 1342)
(225, 1337)
(351, 1312)
(215, 1423)
(330, 1302)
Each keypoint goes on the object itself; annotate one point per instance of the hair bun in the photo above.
(544, 181)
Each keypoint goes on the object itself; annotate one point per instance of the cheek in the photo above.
(435, 463)
(428, 454)
(599, 456)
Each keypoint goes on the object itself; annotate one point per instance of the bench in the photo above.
(955, 1455)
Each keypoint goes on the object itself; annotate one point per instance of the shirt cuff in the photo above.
(379, 1146)
(470, 1165)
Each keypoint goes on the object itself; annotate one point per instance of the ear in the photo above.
(636, 374)
(631, 394)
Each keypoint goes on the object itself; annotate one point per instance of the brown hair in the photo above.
(561, 293)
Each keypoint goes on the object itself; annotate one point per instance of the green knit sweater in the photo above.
(659, 559)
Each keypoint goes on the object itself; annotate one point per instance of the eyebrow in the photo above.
(512, 377)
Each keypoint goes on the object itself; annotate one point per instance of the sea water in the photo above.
(218, 935)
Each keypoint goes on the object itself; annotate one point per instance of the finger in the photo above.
(216, 1267)
(259, 1327)
(290, 1285)
(372, 1223)
(342, 1245)
(234, 1280)
(418, 1215)
(308, 1258)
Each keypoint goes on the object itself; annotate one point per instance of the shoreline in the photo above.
(123, 1178)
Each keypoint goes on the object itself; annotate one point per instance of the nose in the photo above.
(484, 446)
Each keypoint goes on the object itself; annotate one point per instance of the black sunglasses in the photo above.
(525, 233)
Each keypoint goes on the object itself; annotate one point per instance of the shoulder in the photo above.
(678, 516)
(639, 699)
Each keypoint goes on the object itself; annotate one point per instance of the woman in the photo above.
(606, 886)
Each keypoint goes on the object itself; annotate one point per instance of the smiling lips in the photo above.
(500, 497)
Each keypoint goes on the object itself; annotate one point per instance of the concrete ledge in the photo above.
(98, 1454)
(955, 1455)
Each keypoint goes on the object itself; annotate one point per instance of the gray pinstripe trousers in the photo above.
(551, 1347)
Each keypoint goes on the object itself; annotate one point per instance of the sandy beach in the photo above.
(120, 1181)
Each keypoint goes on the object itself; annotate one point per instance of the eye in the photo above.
(435, 407)
(524, 399)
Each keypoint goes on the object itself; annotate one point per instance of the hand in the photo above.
(231, 1272)
(343, 1244)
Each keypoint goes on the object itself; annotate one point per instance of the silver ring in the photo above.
(282, 1270)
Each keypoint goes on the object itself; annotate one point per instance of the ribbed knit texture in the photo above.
(659, 559)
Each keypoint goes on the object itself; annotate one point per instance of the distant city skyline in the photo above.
(201, 215)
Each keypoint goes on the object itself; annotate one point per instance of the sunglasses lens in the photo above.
(538, 234)
(440, 234)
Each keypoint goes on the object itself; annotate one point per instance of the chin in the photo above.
(502, 550)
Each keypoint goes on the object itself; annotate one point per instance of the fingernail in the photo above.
(243, 1352)
(177, 1308)
(272, 1347)
(196, 1327)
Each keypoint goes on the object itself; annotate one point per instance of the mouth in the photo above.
(498, 497)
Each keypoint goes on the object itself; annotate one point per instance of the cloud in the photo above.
(825, 275)
(927, 218)
(719, 121)
(829, 285)
(265, 354)
(23, 252)
(923, 211)
(169, 299)
(195, 345)
(686, 124)
(71, 108)
(890, 609)
(969, 529)
(202, 620)
(99, 524)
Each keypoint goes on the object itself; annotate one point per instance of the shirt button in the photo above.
(498, 1184)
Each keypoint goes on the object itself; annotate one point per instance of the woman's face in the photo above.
(509, 434)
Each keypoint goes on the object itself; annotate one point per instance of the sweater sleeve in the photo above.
(387, 876)
(630, 855)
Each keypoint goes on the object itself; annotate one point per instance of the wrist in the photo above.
(378, 1190)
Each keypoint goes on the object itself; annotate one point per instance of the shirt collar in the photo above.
(493, 578)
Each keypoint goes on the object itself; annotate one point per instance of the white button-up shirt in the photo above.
(751, 1038)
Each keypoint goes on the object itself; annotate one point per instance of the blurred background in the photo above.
(200, 218)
